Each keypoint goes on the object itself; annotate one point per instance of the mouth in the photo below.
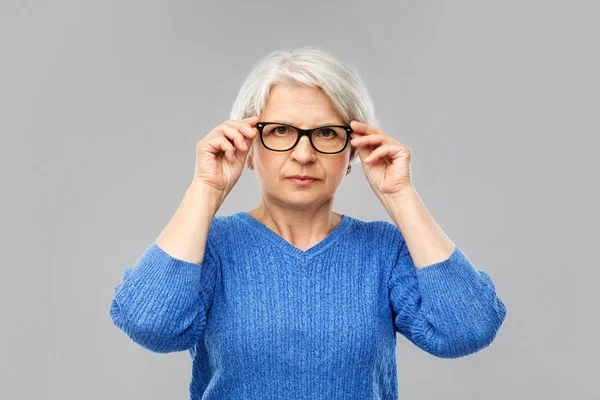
(302, 177)
(302, 180)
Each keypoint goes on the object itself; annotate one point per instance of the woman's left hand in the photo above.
(385, 161)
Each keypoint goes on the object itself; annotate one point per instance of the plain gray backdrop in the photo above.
(102, 103)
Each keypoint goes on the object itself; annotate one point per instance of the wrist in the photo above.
(408, 192)
(208, 195)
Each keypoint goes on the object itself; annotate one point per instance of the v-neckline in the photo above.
(333, 236)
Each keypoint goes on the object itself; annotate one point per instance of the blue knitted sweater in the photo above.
(262, 319)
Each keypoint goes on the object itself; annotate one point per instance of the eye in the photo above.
(281, 129)
(328, 133)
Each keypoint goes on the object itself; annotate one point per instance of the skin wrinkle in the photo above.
(301, 215)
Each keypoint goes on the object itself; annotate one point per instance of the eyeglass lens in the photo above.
(326, 139)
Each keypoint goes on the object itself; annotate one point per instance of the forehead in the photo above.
(300, 106)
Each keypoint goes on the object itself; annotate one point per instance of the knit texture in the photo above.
(263, 319)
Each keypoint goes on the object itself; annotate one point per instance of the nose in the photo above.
(304, 152)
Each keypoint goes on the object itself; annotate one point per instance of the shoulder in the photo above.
(378, 233)
(382, 240)
(221, 229)
(380, 229)
(221, 223)
(217, 234)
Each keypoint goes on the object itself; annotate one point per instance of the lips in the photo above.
(302, 177)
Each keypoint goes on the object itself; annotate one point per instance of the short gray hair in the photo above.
(308, 66)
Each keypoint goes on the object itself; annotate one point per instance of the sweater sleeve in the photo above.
(161, 302)
(448, 309)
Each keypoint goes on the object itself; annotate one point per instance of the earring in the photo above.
(249, 166)
(348, 170)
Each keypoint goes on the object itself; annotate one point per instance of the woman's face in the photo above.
(303, 107)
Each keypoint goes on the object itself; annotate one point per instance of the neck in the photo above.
(301, 227)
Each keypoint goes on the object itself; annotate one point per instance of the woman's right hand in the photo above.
(221, 154)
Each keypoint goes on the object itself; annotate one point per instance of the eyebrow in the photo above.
(281, 121)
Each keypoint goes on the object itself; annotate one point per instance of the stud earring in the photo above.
(348, 170)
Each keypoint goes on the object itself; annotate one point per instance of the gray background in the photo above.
(102, 103)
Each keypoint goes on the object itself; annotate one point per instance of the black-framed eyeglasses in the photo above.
(329, 139)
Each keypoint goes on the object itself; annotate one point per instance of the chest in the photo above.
(284, 308)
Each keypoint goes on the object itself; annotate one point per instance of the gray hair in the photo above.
(309, 66)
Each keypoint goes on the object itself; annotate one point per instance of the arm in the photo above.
(449, 309)
(185, 235)
(161, 302)
(441, 303)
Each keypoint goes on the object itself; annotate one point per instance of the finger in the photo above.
(367, 139)
(361, 128)
(236, 136)
(367, 143)
(246, 128)
(229, 149)
(251, 120)
(387, 150)
(221, 144)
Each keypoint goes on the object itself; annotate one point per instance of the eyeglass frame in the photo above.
(304, 132)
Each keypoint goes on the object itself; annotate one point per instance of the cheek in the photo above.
(271, 169)
(271, 164)
(336, 169)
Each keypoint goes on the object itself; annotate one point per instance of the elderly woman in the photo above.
(291, 299)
